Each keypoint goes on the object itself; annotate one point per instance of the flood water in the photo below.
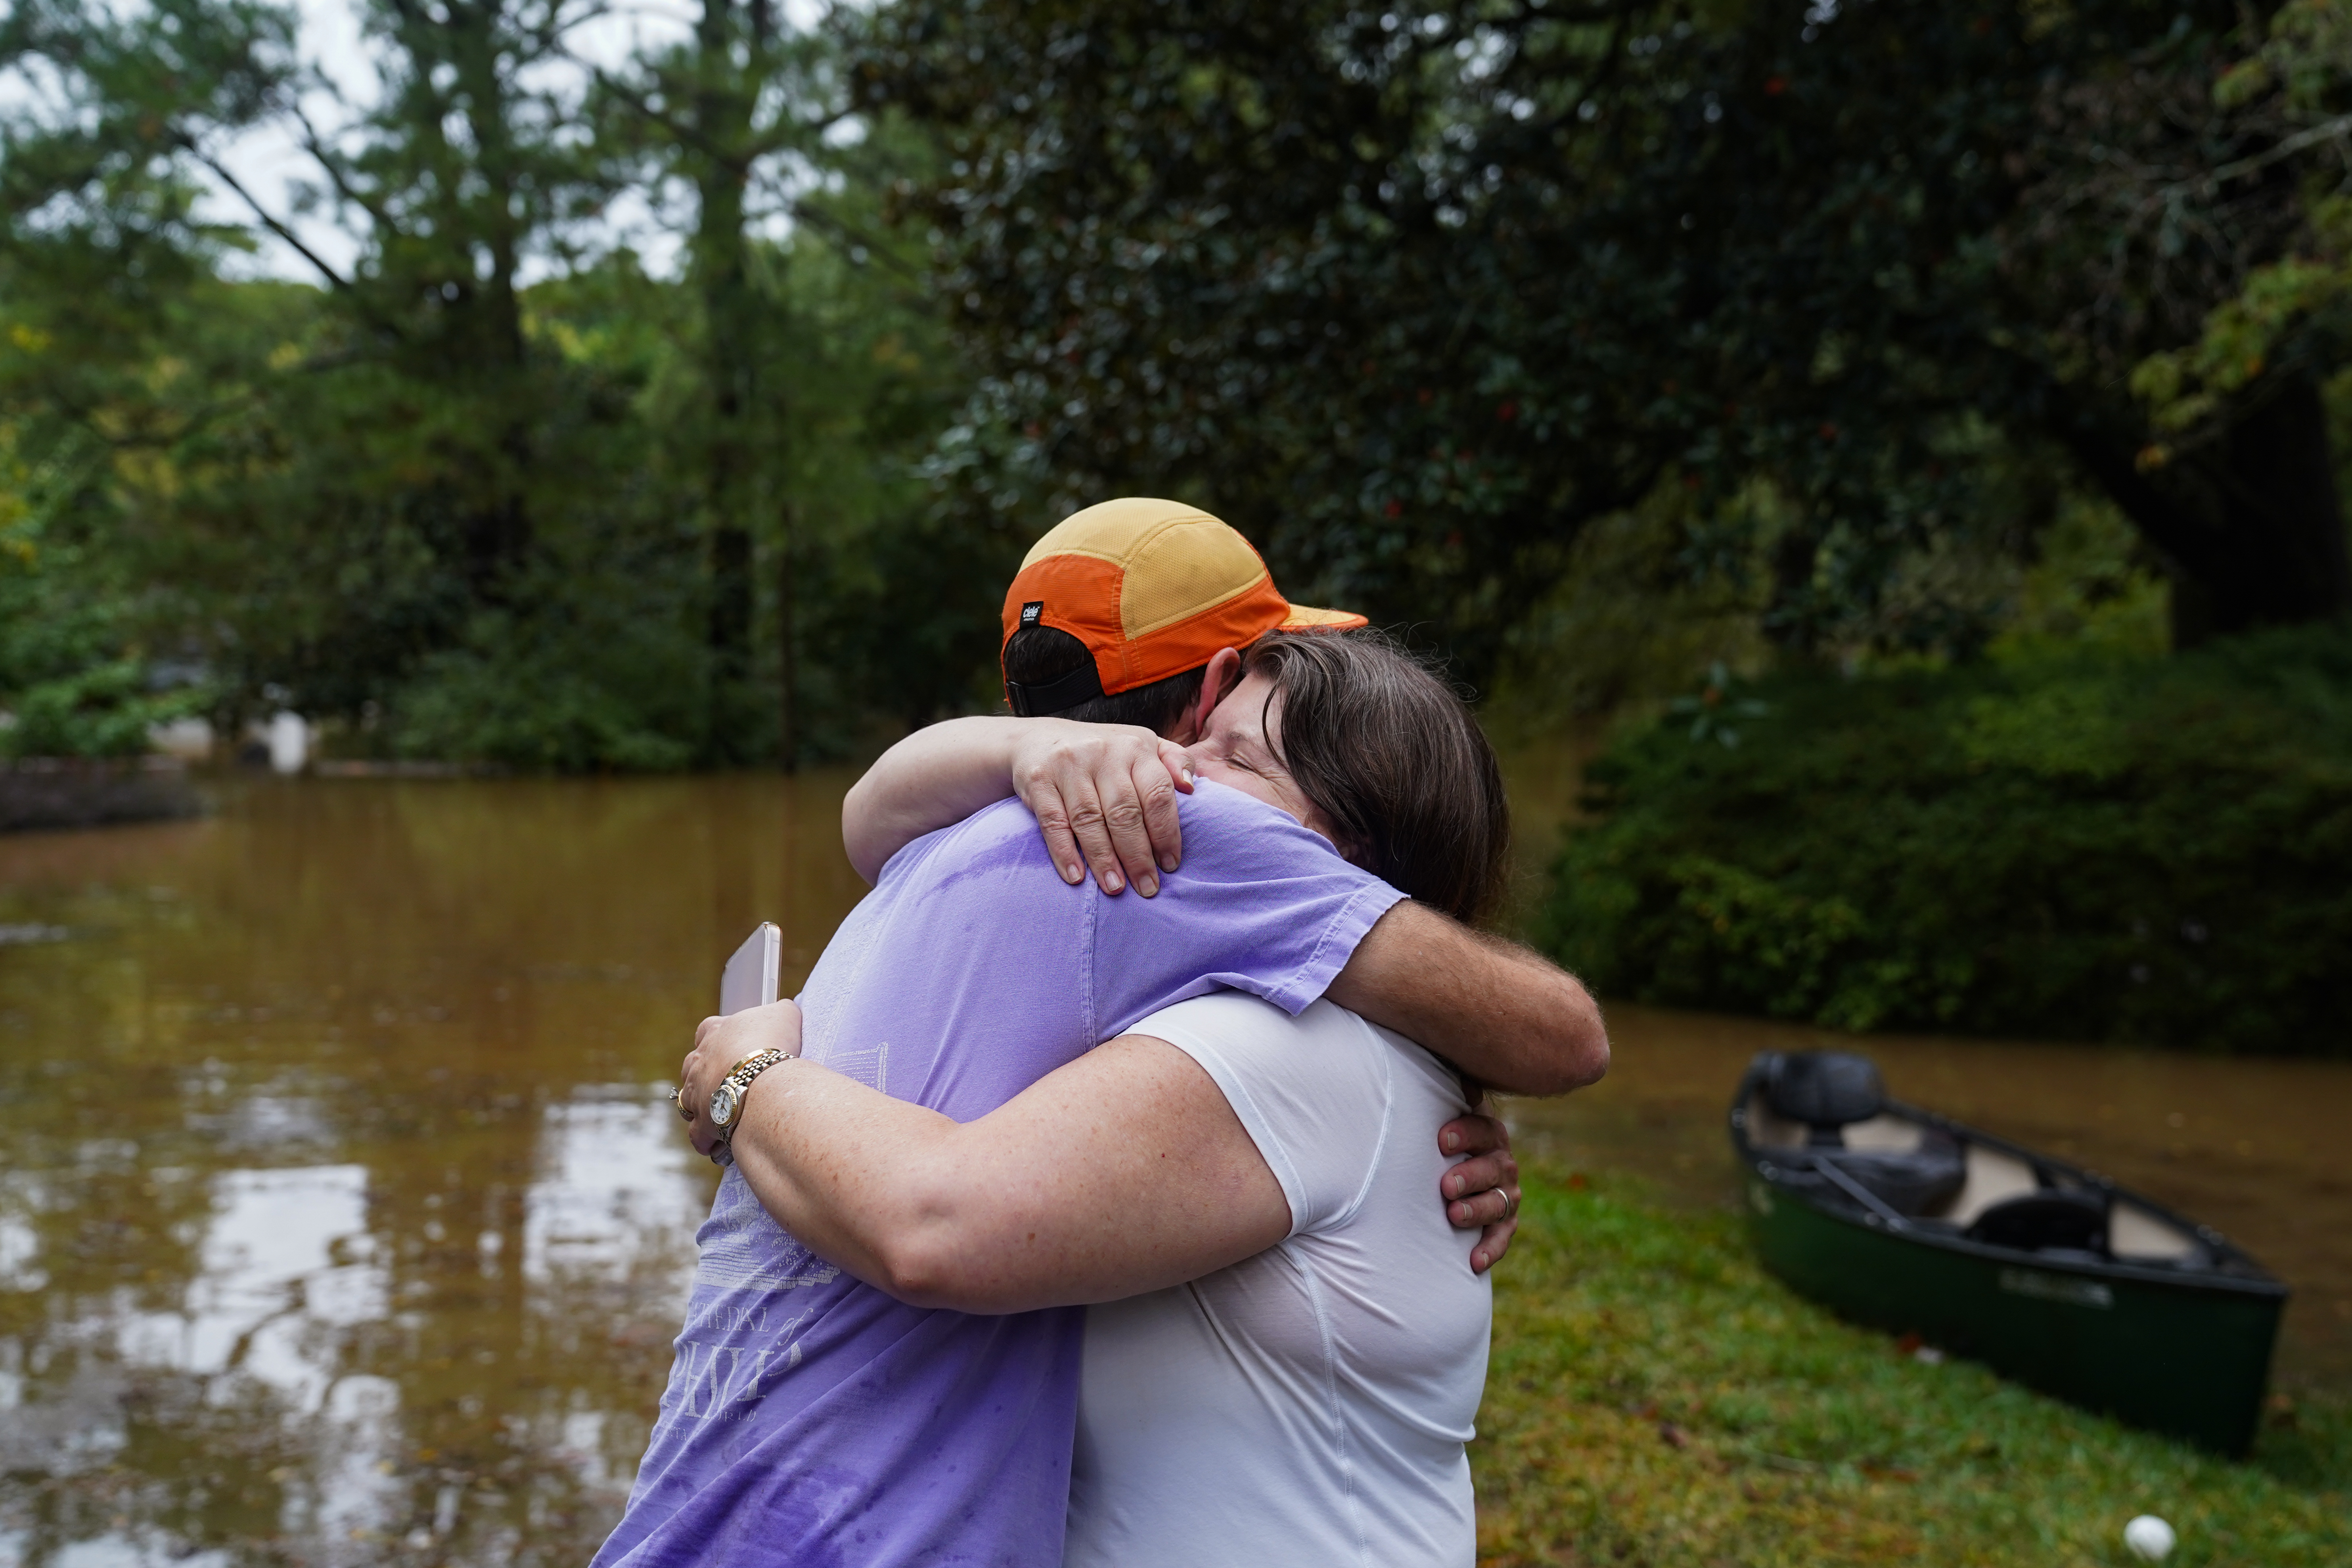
(342, 1220)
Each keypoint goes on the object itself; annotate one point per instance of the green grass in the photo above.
(1655, 1398)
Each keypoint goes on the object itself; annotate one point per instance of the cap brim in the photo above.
(1307, 618)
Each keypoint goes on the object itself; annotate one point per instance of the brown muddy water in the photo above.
(343, 1221)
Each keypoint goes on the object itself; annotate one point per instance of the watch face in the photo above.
(722, 1104)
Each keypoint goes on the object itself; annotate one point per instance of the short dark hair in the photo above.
(1391, 757)
(1036, 655)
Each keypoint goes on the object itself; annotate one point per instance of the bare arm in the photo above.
(1104, 793)
(1492, 1008)
(1123, 1172)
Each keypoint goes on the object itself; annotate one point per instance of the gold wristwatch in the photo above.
(727, 1100)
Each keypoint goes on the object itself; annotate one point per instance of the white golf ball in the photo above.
(2149, 1538)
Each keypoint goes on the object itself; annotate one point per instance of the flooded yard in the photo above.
(342, 1221)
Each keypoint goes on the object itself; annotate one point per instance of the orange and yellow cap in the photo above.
(1153, 588)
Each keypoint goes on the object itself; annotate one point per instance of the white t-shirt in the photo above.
(1308, 1404)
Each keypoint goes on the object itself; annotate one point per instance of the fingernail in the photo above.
(1168, 862)
(1188, 776)
(1452, 1142)
(1112, 882)
(1071, 874)
(1148, 885)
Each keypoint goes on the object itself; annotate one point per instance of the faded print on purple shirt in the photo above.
(812, 1420)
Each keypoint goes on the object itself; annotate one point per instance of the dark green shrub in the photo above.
(102, 711)
(2156, 850)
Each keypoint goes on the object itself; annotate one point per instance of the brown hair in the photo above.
(1392, 758)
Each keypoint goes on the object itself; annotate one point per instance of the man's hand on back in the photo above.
(1481, 1192)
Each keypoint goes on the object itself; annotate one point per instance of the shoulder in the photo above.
(1323, 1056)
(1003, 833)
(1315, 1092)
(1325, 1059)
(1230, 837)
(1240, 1024)
(1226, 809)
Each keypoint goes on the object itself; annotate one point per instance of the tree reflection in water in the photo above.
(342, 1220)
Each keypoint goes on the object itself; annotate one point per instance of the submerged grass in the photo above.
(1655, 1398)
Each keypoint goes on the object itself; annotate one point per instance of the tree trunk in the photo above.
(499, 224)
(2250, 525)
(788, 717)
(723, 101)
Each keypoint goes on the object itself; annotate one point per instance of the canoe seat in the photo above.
(1840, 1103)
(1824, 1089)
(2053, 1219)
(1910, 1182)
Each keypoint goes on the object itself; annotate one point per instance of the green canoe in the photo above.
(1898, 1217)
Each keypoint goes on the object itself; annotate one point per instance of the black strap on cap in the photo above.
(1043, 698)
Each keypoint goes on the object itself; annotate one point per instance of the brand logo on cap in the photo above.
(1029, 612)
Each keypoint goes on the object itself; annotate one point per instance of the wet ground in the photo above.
(342, 1220)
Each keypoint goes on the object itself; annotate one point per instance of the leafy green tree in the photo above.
(1415, 294)
(354, 495)
(737, 115)
(898, 597)
(113, 355)
(464, 514)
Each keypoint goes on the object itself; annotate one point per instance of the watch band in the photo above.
(727, 1101)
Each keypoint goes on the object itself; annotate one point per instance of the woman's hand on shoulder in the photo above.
(1105, 799)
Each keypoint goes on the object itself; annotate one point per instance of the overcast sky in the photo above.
(268, 161)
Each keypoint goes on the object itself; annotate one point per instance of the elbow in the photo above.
(1584, 1056)
(1591, 1065)
(928, 1266)
(857, 839)
(1572, 1051)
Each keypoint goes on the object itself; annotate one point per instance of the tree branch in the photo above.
(2326, 131)
(268, 219)
(327, 159)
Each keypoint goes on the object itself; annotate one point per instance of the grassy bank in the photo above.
(1655, 1398)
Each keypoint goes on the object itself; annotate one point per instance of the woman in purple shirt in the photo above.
(1323, 1366)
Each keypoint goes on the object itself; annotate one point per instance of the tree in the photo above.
(362, 495)
(114, 358)
(738, 115)
(1415, 295)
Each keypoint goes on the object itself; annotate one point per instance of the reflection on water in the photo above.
(342, 1221)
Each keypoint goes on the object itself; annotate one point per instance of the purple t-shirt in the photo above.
(814, 1421)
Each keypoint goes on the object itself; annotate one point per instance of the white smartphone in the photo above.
(751, 977)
